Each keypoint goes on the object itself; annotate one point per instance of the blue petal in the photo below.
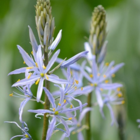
(94, 68)
(18, 71)
(87, 48)
(50, 97)
(99, 98)
(28, 60)
(74, 59)
(39, 90)
(110, 86)
(39, 111)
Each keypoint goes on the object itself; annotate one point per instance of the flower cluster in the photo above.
(59, 106)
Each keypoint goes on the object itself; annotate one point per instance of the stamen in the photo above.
(37, 81)
(46, 76)
(101, 89)
(104, 76)
(95, 84)
(113, 75)
(91, 75)
(78, 125)
(71, 72)
(123, 102)
(73, 132)
(36, 65)
(76, 81)
(66, 94)
(42, 74)
(70, 118)
(44, 67)
(59, 104)
(29, 75)
(75, 88)
(26, 136)
(91, 84)
(71, 106)
(53, 109)
(18, 80)
(29, 68)
(118, 89)
(11, 95)
(64, 101)
(81, 88)
(119, 95)
(23, 62)
(107, 64)
(32, 52)
(98, 74)
(106, 81)
(56, 113)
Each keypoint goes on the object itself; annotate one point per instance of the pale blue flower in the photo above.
(113, 97)
(100, 79)
(57, 113)
(25, 135)
(38, 72)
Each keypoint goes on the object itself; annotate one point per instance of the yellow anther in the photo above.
(64, 101)
(66, 94)
(107, 64)
(26, 136)
(70, 118)
(73, 132)
(98, 74)
(29, 68)
(75, 88)
(76, 81)
(44, 67)
(81, 88)
(46, 76)
(123, 102)
(32, 52)
(95, 84)
(118, 89)
(91, 84)
(106, 81)
(104, 76)
(59, 104)
(71, 106)
(56, 113)
(53, 109)
(78, 125)
(113, 75)
(42, 74)
(119, 94)
(37, 82)
(23, 62)
(91, 75)
(29, 75)
(101, 89)
(36, 64)
(11, 94)
(71, 72)
(18, 80)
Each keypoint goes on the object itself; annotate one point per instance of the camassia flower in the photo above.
(25, 135)
(38, 72)
(99, 78)
(57, 113)
(113, 97)
(76, 125)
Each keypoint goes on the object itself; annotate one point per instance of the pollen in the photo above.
(59, 104)
(37, 82)
(11, 95)
(29, 75)
(98, 74)
(36, 65)
(64, 101)
(123, 102)
(73, 132)
(26, 136)
(106, 81)
(18, 80)
(53, 109)
(42, 74)
(56, 113)
(101, 89)
(91, 84)
(107, 64)
(81, 88)
(118, 89)
(71, 106)
(104, 76)
(95, 84)
(76, 81)
(28, 68)
(70, 118)
(71, 72)
(23, 62)
(32, 52)
(91, 75)
(75, 88)
(44, 67)
(46, 76)
(113, 75)
(119, 94)
(66, 94)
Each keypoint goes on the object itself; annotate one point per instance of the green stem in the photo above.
(88, 123)
(47, 103)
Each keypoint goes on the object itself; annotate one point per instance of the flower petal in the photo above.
(18, 71)
(99, 98)
(80, 136)
(110, 86)
(39, 111)
(87, 48)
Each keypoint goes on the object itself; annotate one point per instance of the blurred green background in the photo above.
(73, 17)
